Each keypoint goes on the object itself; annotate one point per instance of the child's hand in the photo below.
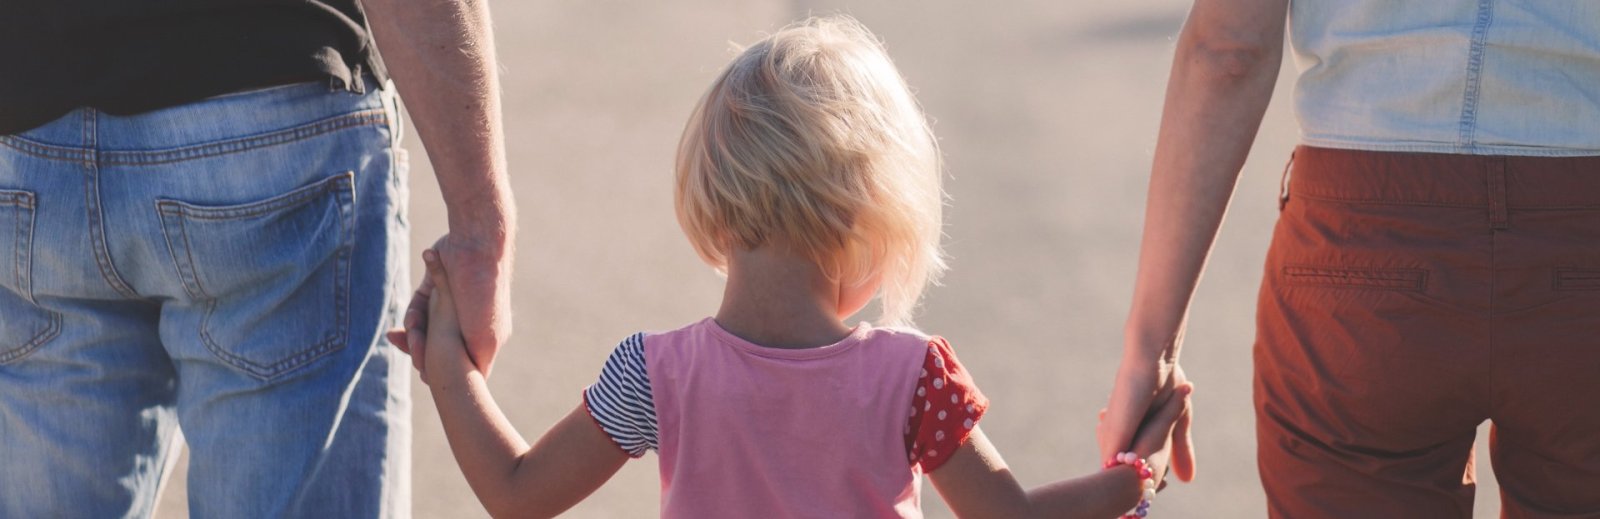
(1153, 442)
(446, 350)
(411, 336)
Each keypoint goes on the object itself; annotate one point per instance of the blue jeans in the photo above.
(226, 267)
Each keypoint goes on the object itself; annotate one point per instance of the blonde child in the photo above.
(809, 176)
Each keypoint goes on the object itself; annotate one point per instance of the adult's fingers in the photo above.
(1183, 464)
(1173, 406)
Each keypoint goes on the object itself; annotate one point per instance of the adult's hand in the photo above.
(1138, 387)
(481, 288)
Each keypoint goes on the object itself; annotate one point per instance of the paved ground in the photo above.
(1047, 114)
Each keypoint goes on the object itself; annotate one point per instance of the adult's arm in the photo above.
(1223, 73)
(441, 56)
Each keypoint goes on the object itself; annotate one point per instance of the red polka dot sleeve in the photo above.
(944, 409)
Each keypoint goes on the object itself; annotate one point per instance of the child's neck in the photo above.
(780, 300)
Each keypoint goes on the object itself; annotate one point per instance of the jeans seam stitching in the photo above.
(322, 347)
(188, 254)
(97, 237)
(1467, 127)
(43, 151)
(23, 277)
(44, 336)
(21, 237)
(228, 147)
(168, 229)
(286, 201)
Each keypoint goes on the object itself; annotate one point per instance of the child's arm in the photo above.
(975, 481)
(511, 480)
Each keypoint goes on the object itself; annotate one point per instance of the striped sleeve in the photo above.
(620, 401)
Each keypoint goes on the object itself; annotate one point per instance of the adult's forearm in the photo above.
(1216, 96)
(441, 55)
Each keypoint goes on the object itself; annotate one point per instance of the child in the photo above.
(808, 175)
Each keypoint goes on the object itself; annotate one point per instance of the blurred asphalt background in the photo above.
(1047, 115)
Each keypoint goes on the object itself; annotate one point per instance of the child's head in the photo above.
(810, 140)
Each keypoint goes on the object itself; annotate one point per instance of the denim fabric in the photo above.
(227, 267)
(1483, 77)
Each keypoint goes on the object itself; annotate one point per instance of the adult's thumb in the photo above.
(1183, 463)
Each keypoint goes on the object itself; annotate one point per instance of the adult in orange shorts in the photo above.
(1436, 263)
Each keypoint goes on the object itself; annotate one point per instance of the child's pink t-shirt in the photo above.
(742, 430)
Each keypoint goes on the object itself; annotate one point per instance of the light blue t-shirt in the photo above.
(1488, 77)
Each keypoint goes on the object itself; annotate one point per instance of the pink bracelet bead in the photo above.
(1146, 482)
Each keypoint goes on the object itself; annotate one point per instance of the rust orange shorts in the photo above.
(1407, 298)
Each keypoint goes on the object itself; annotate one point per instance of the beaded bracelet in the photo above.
(1147, 482)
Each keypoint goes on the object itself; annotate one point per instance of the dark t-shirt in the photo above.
(131, 56)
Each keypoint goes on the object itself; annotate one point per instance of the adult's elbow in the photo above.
(1231, 56)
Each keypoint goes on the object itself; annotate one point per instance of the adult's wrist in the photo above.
(487, 228)
(483, 243)
(1152, 347)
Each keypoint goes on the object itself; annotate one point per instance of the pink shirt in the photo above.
(742, 430)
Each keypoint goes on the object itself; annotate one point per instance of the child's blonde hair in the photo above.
(810, 139)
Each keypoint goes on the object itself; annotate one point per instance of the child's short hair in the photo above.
(811, 139)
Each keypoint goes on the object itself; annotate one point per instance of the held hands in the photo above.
(1154, 441)
(448, 350)
(482, 286)
(446, 347)
(1143, 393)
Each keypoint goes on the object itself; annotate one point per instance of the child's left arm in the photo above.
(564, 466)
(976, 482)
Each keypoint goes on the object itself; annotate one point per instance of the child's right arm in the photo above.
(567, 464)
(976, 482)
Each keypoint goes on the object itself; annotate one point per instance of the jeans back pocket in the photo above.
(24, 326)
(271, 277)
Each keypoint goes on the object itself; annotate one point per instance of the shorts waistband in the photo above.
(1449, 180)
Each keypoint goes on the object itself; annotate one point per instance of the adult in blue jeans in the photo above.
(202, 227)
